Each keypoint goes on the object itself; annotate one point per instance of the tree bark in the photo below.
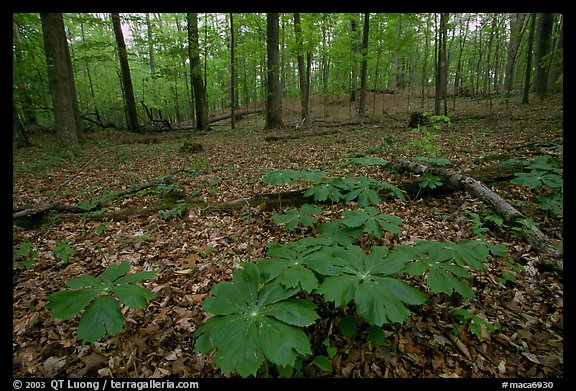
(201, 103)
(232, 76)
(441, 80)
(22, 140)
(274, 92)
(364, 67)
(515, 28)
(130, 102)
(61, 80)
(302, 73)
(543, 46)
(525, 97)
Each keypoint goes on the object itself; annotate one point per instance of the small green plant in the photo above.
(177, 211)
(544, 171)
(255, 321)
(294, 218)
(429, 181)
(545, 174)
(439, 122)
(100, 299)
(522, 226)
(102, 227)
(63, 251)
(477, 326)
(372, 221)
(27, 253)
(422, 140)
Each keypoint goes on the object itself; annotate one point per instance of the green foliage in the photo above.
(477, 325)
(259, 315)
(365, 279)
(364, 190)
(288, 263)
(255, 321)
(63, 251)
(279, 177)
(422, 142)
(177, 211)
(439, 122)
(446, 264)
(26, 253)
(553, 202)
(368, 161)
(294, 218)
(429, 180)
(100, 299)
(372, 221)
(327, 189)
(102, 227)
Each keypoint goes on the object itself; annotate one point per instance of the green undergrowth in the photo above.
(260, 318)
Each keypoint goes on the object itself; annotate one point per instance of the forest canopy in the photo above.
(485, 54)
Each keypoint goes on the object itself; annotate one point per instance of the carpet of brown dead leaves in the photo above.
(193, 252)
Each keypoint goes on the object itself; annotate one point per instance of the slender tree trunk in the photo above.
(441, 81)
(274, 92)
(424, 93)
(527, 76)
(515, 28)
(557, 66)
(543, 46)
(200, 100)
(364, 69)
(61, 80)
(22, 140)
(130, 102)
(232, 75)
(355, 49)
(458, 75)
(325, 63)
(302, 73)
(150, 36)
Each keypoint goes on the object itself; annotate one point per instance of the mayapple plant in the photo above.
(100, 299)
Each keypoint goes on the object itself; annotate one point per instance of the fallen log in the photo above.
(549, 254)
(237, 115)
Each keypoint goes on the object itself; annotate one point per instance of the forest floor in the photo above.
(193, 248)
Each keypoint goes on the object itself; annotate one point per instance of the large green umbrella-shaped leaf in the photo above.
(101, 317)
(66, 304)
(254, 320)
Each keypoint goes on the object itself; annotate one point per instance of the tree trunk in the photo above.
(441, 80)
(355, 50)
(130, 102)
(155, 110)
(22, 140)
(543, 46)
(364, 68)
(201, 103)
(232, 75)
(302, 73)
(515, 29)
(61, 80)
(528, 74)
(274, 92)
(558, 62)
